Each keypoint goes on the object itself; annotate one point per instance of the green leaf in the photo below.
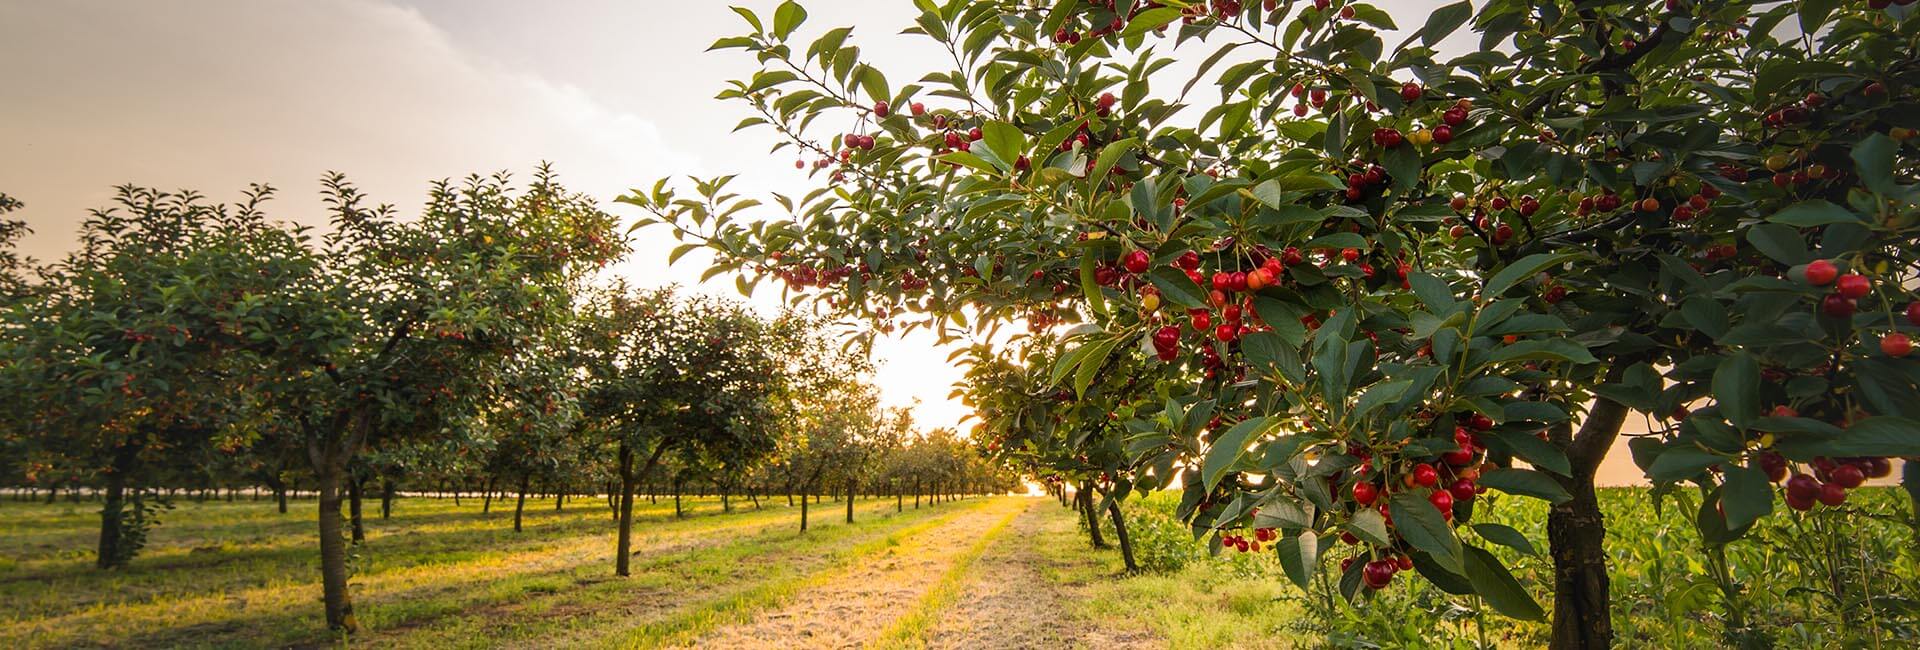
(1747, 496)
(1147, 21)
(1526, 482)
(1505, 536)
(969, 160)
(1780, 242)
(1109, 156)
(1873, 160)
(1227, 449)
(1878, 436)
(1089, 285)
(876, 85)
(1736, 385)
(1004, 140)
(1090, 365)
(1175, 286)
(1444, 20)
(1493, 581)
(1522, 269)
(1683, 462)
(1539, 453)
(1403, 163)
(788, 18)
(1300, 557)
(1817, 212)
(1370, 526)
(1423, 527)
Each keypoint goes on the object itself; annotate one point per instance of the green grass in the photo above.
(240, 574)
(442, 576)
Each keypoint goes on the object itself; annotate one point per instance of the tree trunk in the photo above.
(803, 513)
(1084, 499)
(353, 510)
(333, 549)
(1120, 531)
(520, 506)
(625, 511)
(111, 513)
(916, 494)
(1576, 533)
(387, 491)
(559, 500)
(486, 501)
(898, 501)
(677, 512)
(850, 485)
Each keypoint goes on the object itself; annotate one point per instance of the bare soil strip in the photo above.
(855, 606)
(1010, 602)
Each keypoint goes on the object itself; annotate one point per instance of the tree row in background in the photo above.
(475, 348)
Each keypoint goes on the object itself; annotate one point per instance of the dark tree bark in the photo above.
(1084, 499)
(1576, 533)
(486, 501)
(916, 494)
(520, 505)
(1120, 531)
(850, 488)
(387, 491)
(113, 509)
(559, 500)
(803, 513)
(677, 512)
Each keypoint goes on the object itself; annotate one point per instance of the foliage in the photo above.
(1379, 282)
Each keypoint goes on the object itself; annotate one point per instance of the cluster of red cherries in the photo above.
(1242, 544)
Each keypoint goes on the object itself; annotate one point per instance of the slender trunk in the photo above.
(456, 496)
(898, 501)
(1084, 499)
(387, 491)
(677, 512)
(916, 494)
(333, 549)
(1120, 531)
(850, 485)
(789, 495)
(1576, 534)
(280, 495)
(520, 505)
(625, 511)
(559, 500)
(486, 502)
(111, 515)
(803, 513)
(353, 509)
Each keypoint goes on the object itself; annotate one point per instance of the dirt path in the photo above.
(857, 605)
(1009, 600)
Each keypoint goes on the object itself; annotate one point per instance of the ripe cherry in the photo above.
(918, 109)
(1832, 494)
(880, 109)
(1837, 306)
(1410, 92)
(1378, 573)
(1913, 312)
(1896, 345)
(1820, 272)
(1188, 260)
(1855, 286)
(1202, 321)
(1226, 332)
(1137, 261)
(1463, 490)
(1364, 493)
(1424, 475)
(1403, 562)
(1803, 487)
(1442, 500)
(1442, 134)
(1848, 476)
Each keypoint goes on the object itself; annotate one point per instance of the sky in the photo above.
(212, 95)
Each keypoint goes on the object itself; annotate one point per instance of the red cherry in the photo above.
(1442, 500)
(1462, 490)
(1442, 134)
(1837, 306)
(1188, 260)
(1820, 272)
(1378, 573)
(1832, 494)
(1364, 493)
(1424, 475)
(880, 109)
(1410, 92)
(1802, 487)
(1226, 332)
(918, 109)
(1848, 476)
(1913, 312)
(1896, 345)
(1202, 321)
(1137, 261)
(1855, 286)
(1403, 562)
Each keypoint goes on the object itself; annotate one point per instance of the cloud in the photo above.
(213, 95)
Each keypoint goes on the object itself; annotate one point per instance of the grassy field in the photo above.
(992, 572)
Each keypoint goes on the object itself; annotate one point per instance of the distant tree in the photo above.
(131, 357)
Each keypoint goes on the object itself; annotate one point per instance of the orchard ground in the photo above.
(975, 573)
